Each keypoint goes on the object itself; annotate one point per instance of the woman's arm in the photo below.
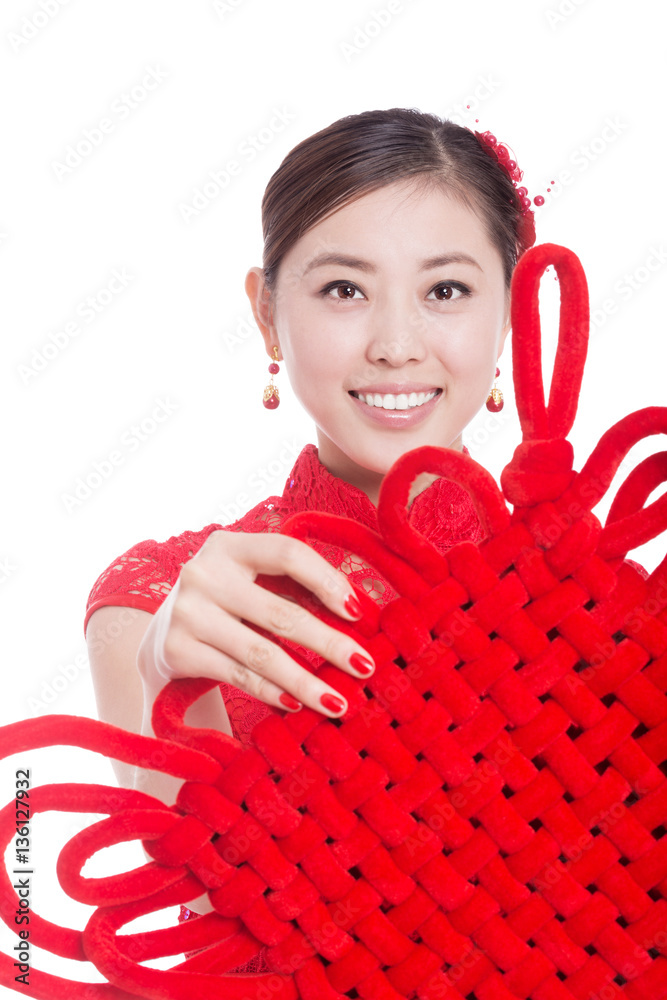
(114, 635)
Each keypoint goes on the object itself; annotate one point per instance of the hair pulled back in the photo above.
(360, 153)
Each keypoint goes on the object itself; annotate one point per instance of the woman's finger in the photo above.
(246, 660)
(289, 621)
(267, 659)
(207, 661)
(279, 555)
(249, 652)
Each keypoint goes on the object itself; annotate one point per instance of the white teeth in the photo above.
(389, 401)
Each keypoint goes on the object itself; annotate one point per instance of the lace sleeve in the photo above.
(143, 576)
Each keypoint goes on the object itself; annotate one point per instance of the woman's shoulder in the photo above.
(142, 576)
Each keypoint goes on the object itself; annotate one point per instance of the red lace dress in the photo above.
(143, 576)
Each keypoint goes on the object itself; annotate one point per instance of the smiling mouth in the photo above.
(395, 401)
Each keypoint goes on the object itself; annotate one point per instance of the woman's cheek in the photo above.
(472, 352)
(304, 350)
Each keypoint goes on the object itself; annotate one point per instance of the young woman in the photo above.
(390, 239)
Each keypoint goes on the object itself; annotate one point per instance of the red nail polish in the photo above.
(353, 607)
(331, 703)
(362, 664)
(289, 702)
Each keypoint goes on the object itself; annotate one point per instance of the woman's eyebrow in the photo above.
(343, 260)
(448, 258)
(340, 260)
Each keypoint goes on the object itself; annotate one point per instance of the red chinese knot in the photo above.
(487, 820)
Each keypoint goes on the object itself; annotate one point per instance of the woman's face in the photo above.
(390, 315)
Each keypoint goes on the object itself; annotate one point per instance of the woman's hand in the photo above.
(198, 630)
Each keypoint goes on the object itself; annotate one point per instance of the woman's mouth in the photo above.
(396, 409)
(395, 401)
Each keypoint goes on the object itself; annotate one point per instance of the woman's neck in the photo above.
(368, 481)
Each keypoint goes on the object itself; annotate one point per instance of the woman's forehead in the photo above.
(404, 219)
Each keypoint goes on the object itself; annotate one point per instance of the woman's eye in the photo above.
(448, 291)
(341, 290)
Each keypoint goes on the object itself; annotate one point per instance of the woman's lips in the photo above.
(397, 417)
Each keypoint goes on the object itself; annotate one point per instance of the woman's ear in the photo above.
(507, 325)
(262, 307)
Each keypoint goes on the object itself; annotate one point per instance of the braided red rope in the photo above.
(486, 822)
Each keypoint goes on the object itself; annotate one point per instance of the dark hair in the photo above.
(360, 153)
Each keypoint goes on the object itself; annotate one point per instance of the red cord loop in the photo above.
(538, 421)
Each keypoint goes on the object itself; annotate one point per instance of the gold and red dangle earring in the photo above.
(495, 401)
(271, 396)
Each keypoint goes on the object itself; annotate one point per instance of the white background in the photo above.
(546, 77)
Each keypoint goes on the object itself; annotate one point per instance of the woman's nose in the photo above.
(396, 334)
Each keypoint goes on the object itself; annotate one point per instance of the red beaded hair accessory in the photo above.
(501, 153)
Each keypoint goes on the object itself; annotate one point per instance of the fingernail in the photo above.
(361, 664)
(331, 703)
(352, 606)
(289, 702)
